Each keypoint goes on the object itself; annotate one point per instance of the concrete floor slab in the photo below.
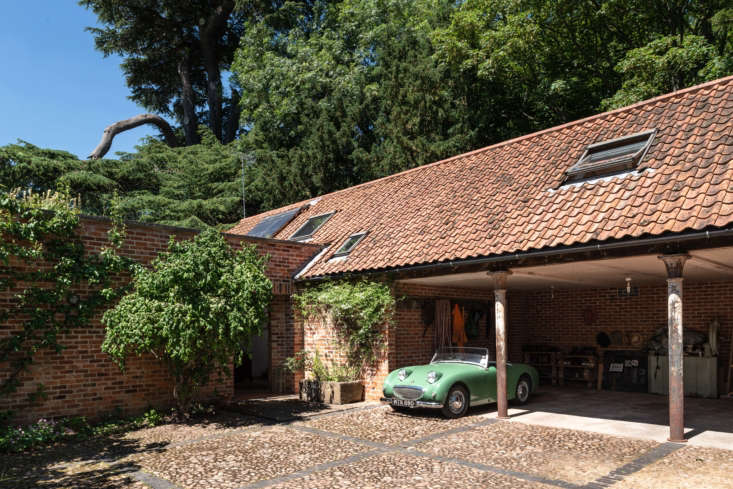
(708, 422)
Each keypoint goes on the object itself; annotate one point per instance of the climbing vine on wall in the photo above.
(49, 282)
(359, 310)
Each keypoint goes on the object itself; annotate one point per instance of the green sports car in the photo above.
(455, 379)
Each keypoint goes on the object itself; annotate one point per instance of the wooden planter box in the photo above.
(331, 392)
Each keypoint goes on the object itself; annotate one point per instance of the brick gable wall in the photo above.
(84, 381)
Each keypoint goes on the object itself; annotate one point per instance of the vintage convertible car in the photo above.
(455, 379)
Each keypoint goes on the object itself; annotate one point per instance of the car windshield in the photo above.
(474, 356)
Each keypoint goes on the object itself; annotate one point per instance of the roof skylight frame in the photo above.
(295, 236)
(343, 250)
(585, 169)
(269, 226)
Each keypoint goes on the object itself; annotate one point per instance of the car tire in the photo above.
(456, 402)
(523, 390)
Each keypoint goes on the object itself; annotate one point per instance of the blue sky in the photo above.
(56, 90)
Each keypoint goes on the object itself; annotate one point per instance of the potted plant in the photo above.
(335, 385)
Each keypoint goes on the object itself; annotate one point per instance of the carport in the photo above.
(568, 297)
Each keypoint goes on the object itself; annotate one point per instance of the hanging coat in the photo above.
(459, 327)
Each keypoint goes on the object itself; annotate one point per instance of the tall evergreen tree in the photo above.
(174, 53)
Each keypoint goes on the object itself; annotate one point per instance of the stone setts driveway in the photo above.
(368, 447)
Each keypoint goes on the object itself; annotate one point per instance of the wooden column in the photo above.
(500, 279)
(675, 263)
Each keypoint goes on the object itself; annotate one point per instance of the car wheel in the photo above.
(524, 388)
(456, 402)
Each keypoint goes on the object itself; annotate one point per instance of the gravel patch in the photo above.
(573, 456)
(243, 458)
(687, 468)
(394, 470)
(384, 425)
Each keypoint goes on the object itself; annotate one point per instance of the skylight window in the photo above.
(349, 244)
(310, 227)
(271, 225)
(610, 157)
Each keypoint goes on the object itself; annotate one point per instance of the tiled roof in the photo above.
(507, 198)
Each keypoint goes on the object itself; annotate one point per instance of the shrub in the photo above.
(45, 432)
(312, 363)
(196, 310)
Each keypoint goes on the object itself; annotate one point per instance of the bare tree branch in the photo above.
(121, 126)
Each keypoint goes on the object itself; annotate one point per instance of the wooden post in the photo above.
(500, 279)
(675, 264)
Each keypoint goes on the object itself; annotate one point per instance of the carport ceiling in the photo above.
(709, 265)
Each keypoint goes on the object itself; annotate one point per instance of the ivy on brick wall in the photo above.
(49, 283)
(359, 310)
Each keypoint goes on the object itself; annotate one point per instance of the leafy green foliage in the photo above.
(45, 432)
(194, 186)
(665, 65)
(311, 363)
(336, 93)
(196, 309)
(174, 53)
(359, 310)
(198, 186)
(40, 249)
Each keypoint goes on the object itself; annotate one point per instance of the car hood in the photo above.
(418, 373)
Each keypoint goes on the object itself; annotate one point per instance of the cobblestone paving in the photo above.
(367, 448)
(387, 426)
(240, 459)
(574, 456)
(175, 433)
(399, 471)
(689, 467)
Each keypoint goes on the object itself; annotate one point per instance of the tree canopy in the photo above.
(329, 94)
(174, 53)
(195, 186)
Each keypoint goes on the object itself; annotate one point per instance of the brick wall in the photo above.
(573, 317)
(415, 339)
(84, 381)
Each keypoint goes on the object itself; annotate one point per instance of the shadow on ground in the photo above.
(101, 462)
(280, 409)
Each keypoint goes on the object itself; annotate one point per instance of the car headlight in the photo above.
(402, 374)
(432, 377)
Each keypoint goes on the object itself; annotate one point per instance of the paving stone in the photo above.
(572, 456)
(687, 468)
(243, 458)
(395, 470)
(371, 449)
(387, 426)
(173, 433)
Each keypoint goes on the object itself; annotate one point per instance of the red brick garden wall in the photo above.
(84, 381)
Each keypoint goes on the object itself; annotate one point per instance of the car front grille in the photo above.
(407, 392)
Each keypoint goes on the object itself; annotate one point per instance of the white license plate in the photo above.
(402, 403)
